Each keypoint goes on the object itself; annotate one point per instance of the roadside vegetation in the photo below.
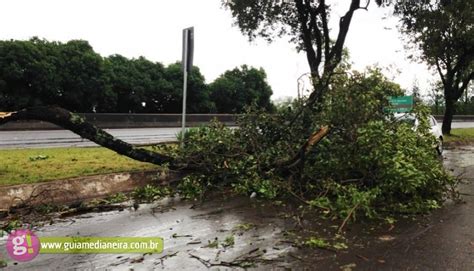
(358, 162)
(20, 166)
(460, 136)
(72, 75)
(368, 164)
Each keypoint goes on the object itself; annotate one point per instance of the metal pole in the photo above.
(185, 87)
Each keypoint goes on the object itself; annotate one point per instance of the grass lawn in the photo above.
(460, 136)
(19, 166)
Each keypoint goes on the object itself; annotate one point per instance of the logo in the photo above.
(22, 245)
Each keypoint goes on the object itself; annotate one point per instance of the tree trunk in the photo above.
(78, 125)
(448, 116)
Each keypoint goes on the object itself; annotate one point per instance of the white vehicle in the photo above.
(434, 129)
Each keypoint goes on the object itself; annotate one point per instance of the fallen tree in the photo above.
(355, 162)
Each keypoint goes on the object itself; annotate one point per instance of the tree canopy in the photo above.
(306, 23)
(35, 71)
(240, 87)
(71, 75)
(198, 98)
(443, 33)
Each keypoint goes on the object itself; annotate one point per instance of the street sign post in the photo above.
(400, 104)
(186, 63)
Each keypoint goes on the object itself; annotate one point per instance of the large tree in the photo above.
(306, 23)
(443, 32)
(241, 87)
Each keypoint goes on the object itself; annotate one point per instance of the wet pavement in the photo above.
(66, 138)
(189, 232)
(266, 236)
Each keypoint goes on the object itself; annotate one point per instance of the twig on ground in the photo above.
(339, 230)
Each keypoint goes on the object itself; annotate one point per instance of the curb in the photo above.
(77, 189)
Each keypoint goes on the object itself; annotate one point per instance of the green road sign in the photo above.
(400, 104)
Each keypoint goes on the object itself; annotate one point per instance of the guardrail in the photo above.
(119, 120)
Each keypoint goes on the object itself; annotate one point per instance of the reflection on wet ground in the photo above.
(266, 236)
(195, 236)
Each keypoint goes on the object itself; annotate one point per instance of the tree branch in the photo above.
(465, 84)
(307, 39)
(317, 33)
(344, 23)
(327, 40)
(299, 157)
(440, 71)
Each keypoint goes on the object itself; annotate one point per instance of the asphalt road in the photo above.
(65, 138)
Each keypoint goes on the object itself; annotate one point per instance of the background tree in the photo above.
(443, 31)
(28, 73)
(80, 70)
(38, 72)
(465, 105)
(198, 98)
(240, 87)
(154, 85)
(436, 98)
(136, 85)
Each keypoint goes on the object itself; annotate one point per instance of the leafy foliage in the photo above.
(198, 94)
(442, 31)
(35, 71)
(150, 193)
(71, 75)
(369, 162)
(315, 242)
(236, 89)
(229, 241)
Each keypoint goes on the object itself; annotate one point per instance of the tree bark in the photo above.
(448, 115)
(298, 159)
(78, 125)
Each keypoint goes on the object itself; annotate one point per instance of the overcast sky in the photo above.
(152, 28)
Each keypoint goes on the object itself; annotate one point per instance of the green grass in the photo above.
(20, 166)
(460, 136)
